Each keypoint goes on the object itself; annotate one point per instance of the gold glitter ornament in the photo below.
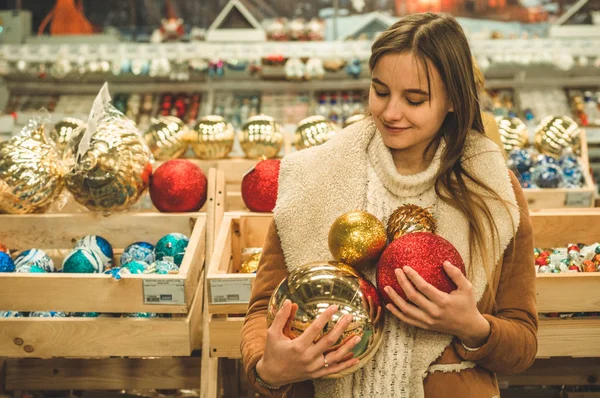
(357, 239)
(30, 172)
(513, 133)
(166, 137)
(354, 119)
(316, 286)
(409, 218)
(251, 265)
(63, 131)
(211, 138)
(312, 131)
(261, 136)
(556, 133)
(114, 171)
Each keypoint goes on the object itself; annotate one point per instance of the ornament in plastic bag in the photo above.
(63, 131)
(547, 175)
(294, 69)
(108, 162)
(314, 69)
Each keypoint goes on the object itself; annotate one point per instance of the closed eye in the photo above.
(415, 103)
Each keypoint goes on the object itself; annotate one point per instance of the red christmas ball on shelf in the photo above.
(260, 184)
(425, 253)
(178, 185)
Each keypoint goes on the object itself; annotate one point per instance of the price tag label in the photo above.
(164, 291)
(230, 291)
(579, 199)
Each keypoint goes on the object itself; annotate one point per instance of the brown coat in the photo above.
(511, 346)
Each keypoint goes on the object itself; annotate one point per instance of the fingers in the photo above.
(334, 368)
(344, 352)
(287, 329)
(282, 317)
(405, 309)
(414, 295)
(404, 318)
(457, 277)
(331, 338)
(427, 289)
(316, 328)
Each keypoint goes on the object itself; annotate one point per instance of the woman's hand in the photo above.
(287, 361)
(431, 309)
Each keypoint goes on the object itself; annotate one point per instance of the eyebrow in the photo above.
(410, 90)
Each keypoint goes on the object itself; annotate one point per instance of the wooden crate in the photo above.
(539, 198)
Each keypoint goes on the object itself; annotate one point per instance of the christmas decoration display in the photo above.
(260, 185)
(34, 258)
(555, 133)
(178, 185)
(83, 261)
(312, 131)
(250, 265)
(570, 259)
(100, 246)
(314, 287)
(540, 171)
(261, 136)
(513, 133)
(138, 251)
(211, 138)
(166, 137)
(171, 247)
(357, 239)
(424, 252)
(63, 131)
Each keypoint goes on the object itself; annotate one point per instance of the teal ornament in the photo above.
(138, 267)
(35, 257)
(100, 246)
(10, 314)
(117, 272)
(165, 267)
(138, 251)
(597, 250)
(83, 261)
(142, 315)
(173, 246)
(31, 269)
(47, 314)
(84, 315)
(6, 263)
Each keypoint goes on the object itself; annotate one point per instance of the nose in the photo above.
(393, 111)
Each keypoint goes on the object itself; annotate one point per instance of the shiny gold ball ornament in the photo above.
(250, 266)
(112, 172)
(556, 133)
(316, 286)
(409, 218)
(211, 138)
(513, 133)
(357, 239)
(63, 131)
(261, 136)
(30, 173)
(166, 137)
(312, 131)
(354, 119)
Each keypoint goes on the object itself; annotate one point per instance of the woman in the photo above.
(423, 144)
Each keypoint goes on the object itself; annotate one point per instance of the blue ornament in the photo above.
(354, 68)
(138, 251)
(165, 267)
(47, 314)
(547, 175)
(171, 247)
(519, 161)
(573, 177)
(6, 263)
(10, 314)
(99, 245)
(138, 267)
(31, 269)
(117, 272)
(35, 257)
(83, 261)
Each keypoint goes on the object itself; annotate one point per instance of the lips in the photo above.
(395, 129)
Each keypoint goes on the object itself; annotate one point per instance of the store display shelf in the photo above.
(568, 338)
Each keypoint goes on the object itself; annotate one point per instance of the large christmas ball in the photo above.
(312, 131)
(165, 267)
(100, 246)
(425, 253)
(211, 138)
(316, 286)
(83, 261)
(260, 185)
(30, 172)
(409, 218)
(178, 185)
(63, 131)
(112, 170)
(166, 137)
(261, 136)
(6, 263)
(30, 269)
(554, 134)
(357, 239)
(138, 251)
(513, 133)
(171, 247)
(34, 258)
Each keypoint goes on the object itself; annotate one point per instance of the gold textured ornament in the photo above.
(357, 239)
(166, 137)
(211, 138)
(250, 266)
(30, 173)
(114, 171)
(316, 286)
(354, 119)
(261, 136)
(312, 131)
(513, 133)
(410, 218)
(556, 133)
(63, 131)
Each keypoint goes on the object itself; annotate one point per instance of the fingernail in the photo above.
(356, 340)
(398, 270)
(387, 289)
(334, 308)
(349, 317)
(447, 263)
(407, 269)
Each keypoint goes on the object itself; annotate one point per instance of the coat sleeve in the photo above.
(512, 344)
(271, 271)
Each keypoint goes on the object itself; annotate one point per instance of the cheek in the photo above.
(376, 104)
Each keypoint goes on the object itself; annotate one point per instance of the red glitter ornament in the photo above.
(542, 261)
(425, 253)
(260, 184)
(178, 185)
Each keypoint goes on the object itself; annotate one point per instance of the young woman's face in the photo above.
(407, 113)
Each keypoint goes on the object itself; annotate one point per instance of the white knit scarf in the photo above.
(319, 184)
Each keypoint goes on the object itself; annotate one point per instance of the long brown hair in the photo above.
(438, 41)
